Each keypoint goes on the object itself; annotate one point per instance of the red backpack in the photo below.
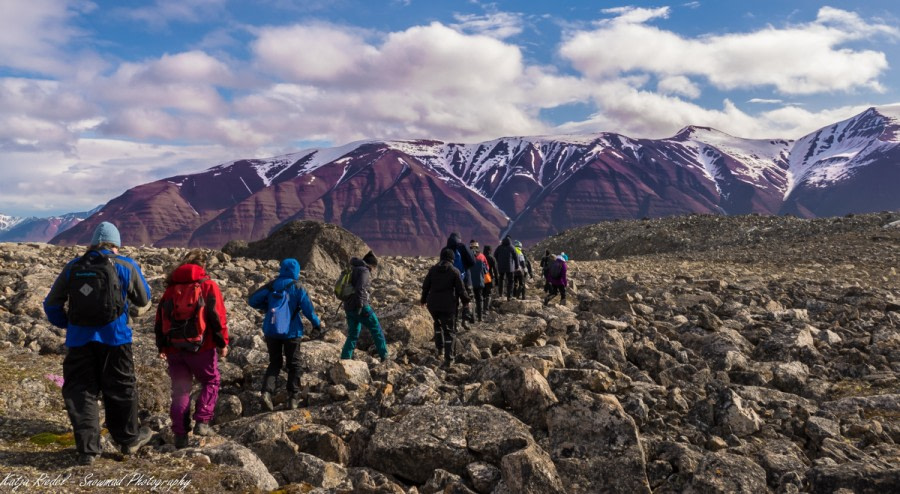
(184, 315)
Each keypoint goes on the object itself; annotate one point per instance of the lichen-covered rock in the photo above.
(727, 473)
(450, 438)
(234, 454)
(594, 442)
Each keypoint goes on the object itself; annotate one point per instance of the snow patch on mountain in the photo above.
(7, 222)
(833, 153)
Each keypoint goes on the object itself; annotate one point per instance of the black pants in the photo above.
(479, 300)
(279, 350)
(486, 296)
(444, 330)
(507, 280)
(93, 369)
(519, 289)
(557, 290)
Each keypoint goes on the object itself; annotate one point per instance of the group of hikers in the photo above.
(90, 298)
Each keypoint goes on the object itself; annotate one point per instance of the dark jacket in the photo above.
(216, 334)
(361, 279)
(464, 258)
(492, 264)
(134, 289)
(299, 300)
(507, 260)
(442, 288)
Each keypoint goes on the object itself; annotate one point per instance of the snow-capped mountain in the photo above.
(7, 222)
(853, 165)
(34, 229)
(405, 197)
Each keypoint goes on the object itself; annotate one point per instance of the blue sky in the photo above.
(100, 96)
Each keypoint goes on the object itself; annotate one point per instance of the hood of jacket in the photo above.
(187, 273)
(290, 268)
(287, 275)
(454, 241)
(506, 241)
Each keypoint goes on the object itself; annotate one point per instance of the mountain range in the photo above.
(405, 197)
(34, 229)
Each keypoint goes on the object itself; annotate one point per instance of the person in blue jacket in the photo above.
(287, 346)
(99, 358)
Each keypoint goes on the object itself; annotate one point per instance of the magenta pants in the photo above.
(183, 368)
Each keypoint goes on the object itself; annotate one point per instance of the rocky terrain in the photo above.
(695, 354)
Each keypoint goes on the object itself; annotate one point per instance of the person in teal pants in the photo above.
(359, 312)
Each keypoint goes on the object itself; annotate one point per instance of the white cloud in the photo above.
(162, 12)
(500, 25)
(678, 84)
(425, 81)
(765, 101)
(286, 51)
(93, 173)
(633, 15)
(802, 59)
(33, 32)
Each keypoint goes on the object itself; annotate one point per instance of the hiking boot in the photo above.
(294, 402)
(267, 401)
(143, 438)
(202, 429)
(181, 441)
(85, 458)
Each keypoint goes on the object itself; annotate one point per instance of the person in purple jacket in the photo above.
(89, 299)
(556, 277)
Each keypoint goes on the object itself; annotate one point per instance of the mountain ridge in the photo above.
(405, 196)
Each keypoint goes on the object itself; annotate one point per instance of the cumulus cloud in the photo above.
(678, 84)
(425, 81)
(32, 34)
(801, 59)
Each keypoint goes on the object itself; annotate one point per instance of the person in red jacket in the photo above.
(201, 363)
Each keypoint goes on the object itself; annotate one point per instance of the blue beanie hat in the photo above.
(106, 232)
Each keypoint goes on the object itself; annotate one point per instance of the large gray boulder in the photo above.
(321, 247)
(595, 443)
(439, 436)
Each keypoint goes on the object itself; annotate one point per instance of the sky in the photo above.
(100, 96)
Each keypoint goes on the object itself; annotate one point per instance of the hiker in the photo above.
(463, 260)
(358, 310)
(556, 277)
(545, 265)
(441, 290)
(523, 271)
(97, 288)
(191, 335)
(507, 264)
(489, 278)
(283, 299)
(476, 276)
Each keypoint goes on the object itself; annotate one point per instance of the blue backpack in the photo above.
(278, 315)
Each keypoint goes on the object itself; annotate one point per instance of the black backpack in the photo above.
(95, 294)
(556, 269)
